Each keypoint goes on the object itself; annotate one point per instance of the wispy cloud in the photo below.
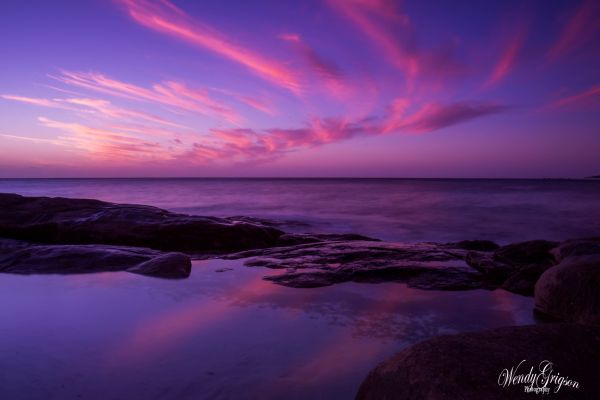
(434, 116)
(107, 144)
(33, 100)
(388, 27)
(99, 107)
(392, 31)
(581, 27)
(163, 16)
(323, 69)
(169, 93)
(583, 97)
(510, 54)
(252, 145)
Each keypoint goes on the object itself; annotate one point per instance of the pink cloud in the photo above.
(164, 17)
(579, 98)
(372, 18)
(106, 144)
(252, 145)
(168, 93)
(434, 116)
(325, 70)
(98, 106)
(508, 57)
(33, 100)
(393, 32)
(582, 27)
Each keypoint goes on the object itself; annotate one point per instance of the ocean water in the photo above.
(218, 335)
(232, 335)
(390, 209)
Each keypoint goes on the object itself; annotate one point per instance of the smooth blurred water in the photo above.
(232, 335)
(389, 209)
(218, 335)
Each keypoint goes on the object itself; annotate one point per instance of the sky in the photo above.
(323, 88)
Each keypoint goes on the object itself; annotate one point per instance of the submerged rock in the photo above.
(83, 221)
(472, 365)
(24, 258)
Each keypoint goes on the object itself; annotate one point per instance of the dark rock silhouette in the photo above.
(24, 258)
(469, 365)
(83, 221)
(570, 291)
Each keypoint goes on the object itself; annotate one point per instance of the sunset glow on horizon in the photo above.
(317, 88)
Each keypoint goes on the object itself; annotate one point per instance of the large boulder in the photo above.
(25, 258)
(570, 291)
(83, 221)
(478, 365)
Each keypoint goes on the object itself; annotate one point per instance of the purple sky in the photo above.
(359, 88)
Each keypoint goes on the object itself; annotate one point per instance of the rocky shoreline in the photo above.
(58, 235)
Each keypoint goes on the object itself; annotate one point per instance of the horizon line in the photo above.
(591, 177)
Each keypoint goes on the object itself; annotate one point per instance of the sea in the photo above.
(409, 210)
(225, 333)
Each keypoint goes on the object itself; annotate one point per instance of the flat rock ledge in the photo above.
(20, 257)
(437, 266)
(85, 221)
(472, 365)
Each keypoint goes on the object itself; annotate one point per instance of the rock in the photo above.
(470, 365)
(81, 221)
(526, 253)
(420, 265)
(479, 245)
(24, 258)
(576, 247)
(487, 264)
(570, 291)
(523, 280)
(167, 265)
(292, 239)
(515, 267)
(449, 266)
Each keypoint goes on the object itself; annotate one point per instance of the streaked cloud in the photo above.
(163, 16)
(582, 26)
(107, 144)
(168, 93)
(33, 100)
(510, 54)
(335, 83)
(591, 94)
(249, 144)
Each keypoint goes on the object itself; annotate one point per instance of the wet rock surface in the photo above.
(441, 266)
(422, 265)
(85, 221)
(25, 258)
(470, 365)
